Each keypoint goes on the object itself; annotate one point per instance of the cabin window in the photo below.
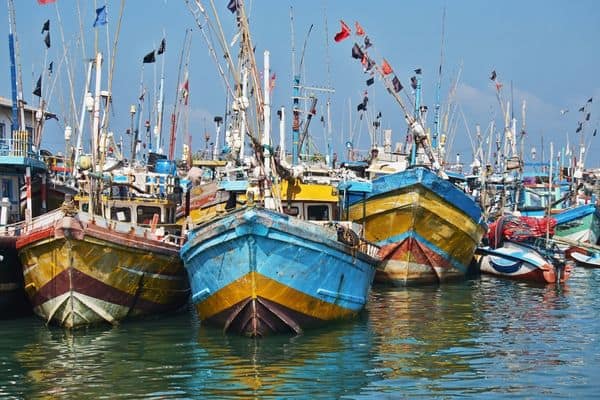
(2, 132)
(293, 211)
(319, 212)
(6, 188)
(145, 214)
(121, 214)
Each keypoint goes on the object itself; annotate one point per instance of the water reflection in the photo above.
(328, 361)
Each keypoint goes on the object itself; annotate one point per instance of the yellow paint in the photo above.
(428, 215)
(253, 285)
(107, 262)
(295, 190)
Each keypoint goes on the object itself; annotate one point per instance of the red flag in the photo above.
(344, 33)
(42, 2)
(385, 67)
(359, 30)
(272, 82)
(185, 92)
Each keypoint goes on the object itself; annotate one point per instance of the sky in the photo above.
(545, 52)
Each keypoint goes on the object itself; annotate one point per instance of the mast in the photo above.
(436, 121)
(18, 115)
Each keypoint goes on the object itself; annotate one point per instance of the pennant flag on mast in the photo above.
(162, 47)
(272, 82)
(42, 2)
(149, 58)
(38, 88)
(359, 30)
(413, 82)
(493, 76)
(100, 16)
(587, 116)
(232, 5)
(344, 33)
(47, 40)
(397, 84)
(582, 109)
(595, 130)
(590, 99)
(357, 52)
(386, 69)
(367, 42)
(46, 26)
(370, 81)
(185, 91)
(51, 67)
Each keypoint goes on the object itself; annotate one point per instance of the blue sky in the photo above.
(548, 50)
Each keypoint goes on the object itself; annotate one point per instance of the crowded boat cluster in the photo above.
(267, 236)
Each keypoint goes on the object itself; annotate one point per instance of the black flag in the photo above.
(370, 81)
(587, 117)
(493, 76)
(363, 106)
(397, 84)
(595, 130)
(38, 88)
(46, 26)
(232, 6)
(47, 40)
(581, 109)
(579, 128)
(51, 67)
(149, 58)
(162, 47)
(357, 52)
(590, 99)
(367, 42)
(418, 71)
(413, 82)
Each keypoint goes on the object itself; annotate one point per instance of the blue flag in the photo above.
(100, 16)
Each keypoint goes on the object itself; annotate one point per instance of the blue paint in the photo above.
(298, 254)
(509, 268)
(386, 184)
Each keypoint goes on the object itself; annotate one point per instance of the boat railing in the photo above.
(19, 145)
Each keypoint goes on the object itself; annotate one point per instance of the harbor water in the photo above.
(483, 338)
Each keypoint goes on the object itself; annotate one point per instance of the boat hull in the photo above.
(79, 273)
(579, 224)
(523, 263)
(427, 228)
(258, 272)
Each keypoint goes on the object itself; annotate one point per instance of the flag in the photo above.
(579, 128)
(344, 33)
(418, 71)
(581, 109)
(386, 69)
(413, 82)
(367, 42)
(498, 86)
(149, 58)
(272, 82)
(232, 5)
(185, 91)
(100, 16)
(359, 29)
(42, 2)
(368, 63)
(38, 88)
(587, 117)
(595, 130)
(590, 99)
(493, 76)
(47, 40)
(357, 52)
(162, 47)
(46, 26)
(370, 81)
(51, 67)
(397, 84)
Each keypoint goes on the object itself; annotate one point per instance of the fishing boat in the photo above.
(112, 251)
(427, 228)
(257, 271)
(517, 249)
(584, 257)
(275, 259)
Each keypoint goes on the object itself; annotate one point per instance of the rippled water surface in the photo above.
(484, 338)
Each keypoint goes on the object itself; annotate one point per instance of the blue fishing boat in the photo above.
(256, 271)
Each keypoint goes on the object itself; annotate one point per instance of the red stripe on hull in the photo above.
(76, 281)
